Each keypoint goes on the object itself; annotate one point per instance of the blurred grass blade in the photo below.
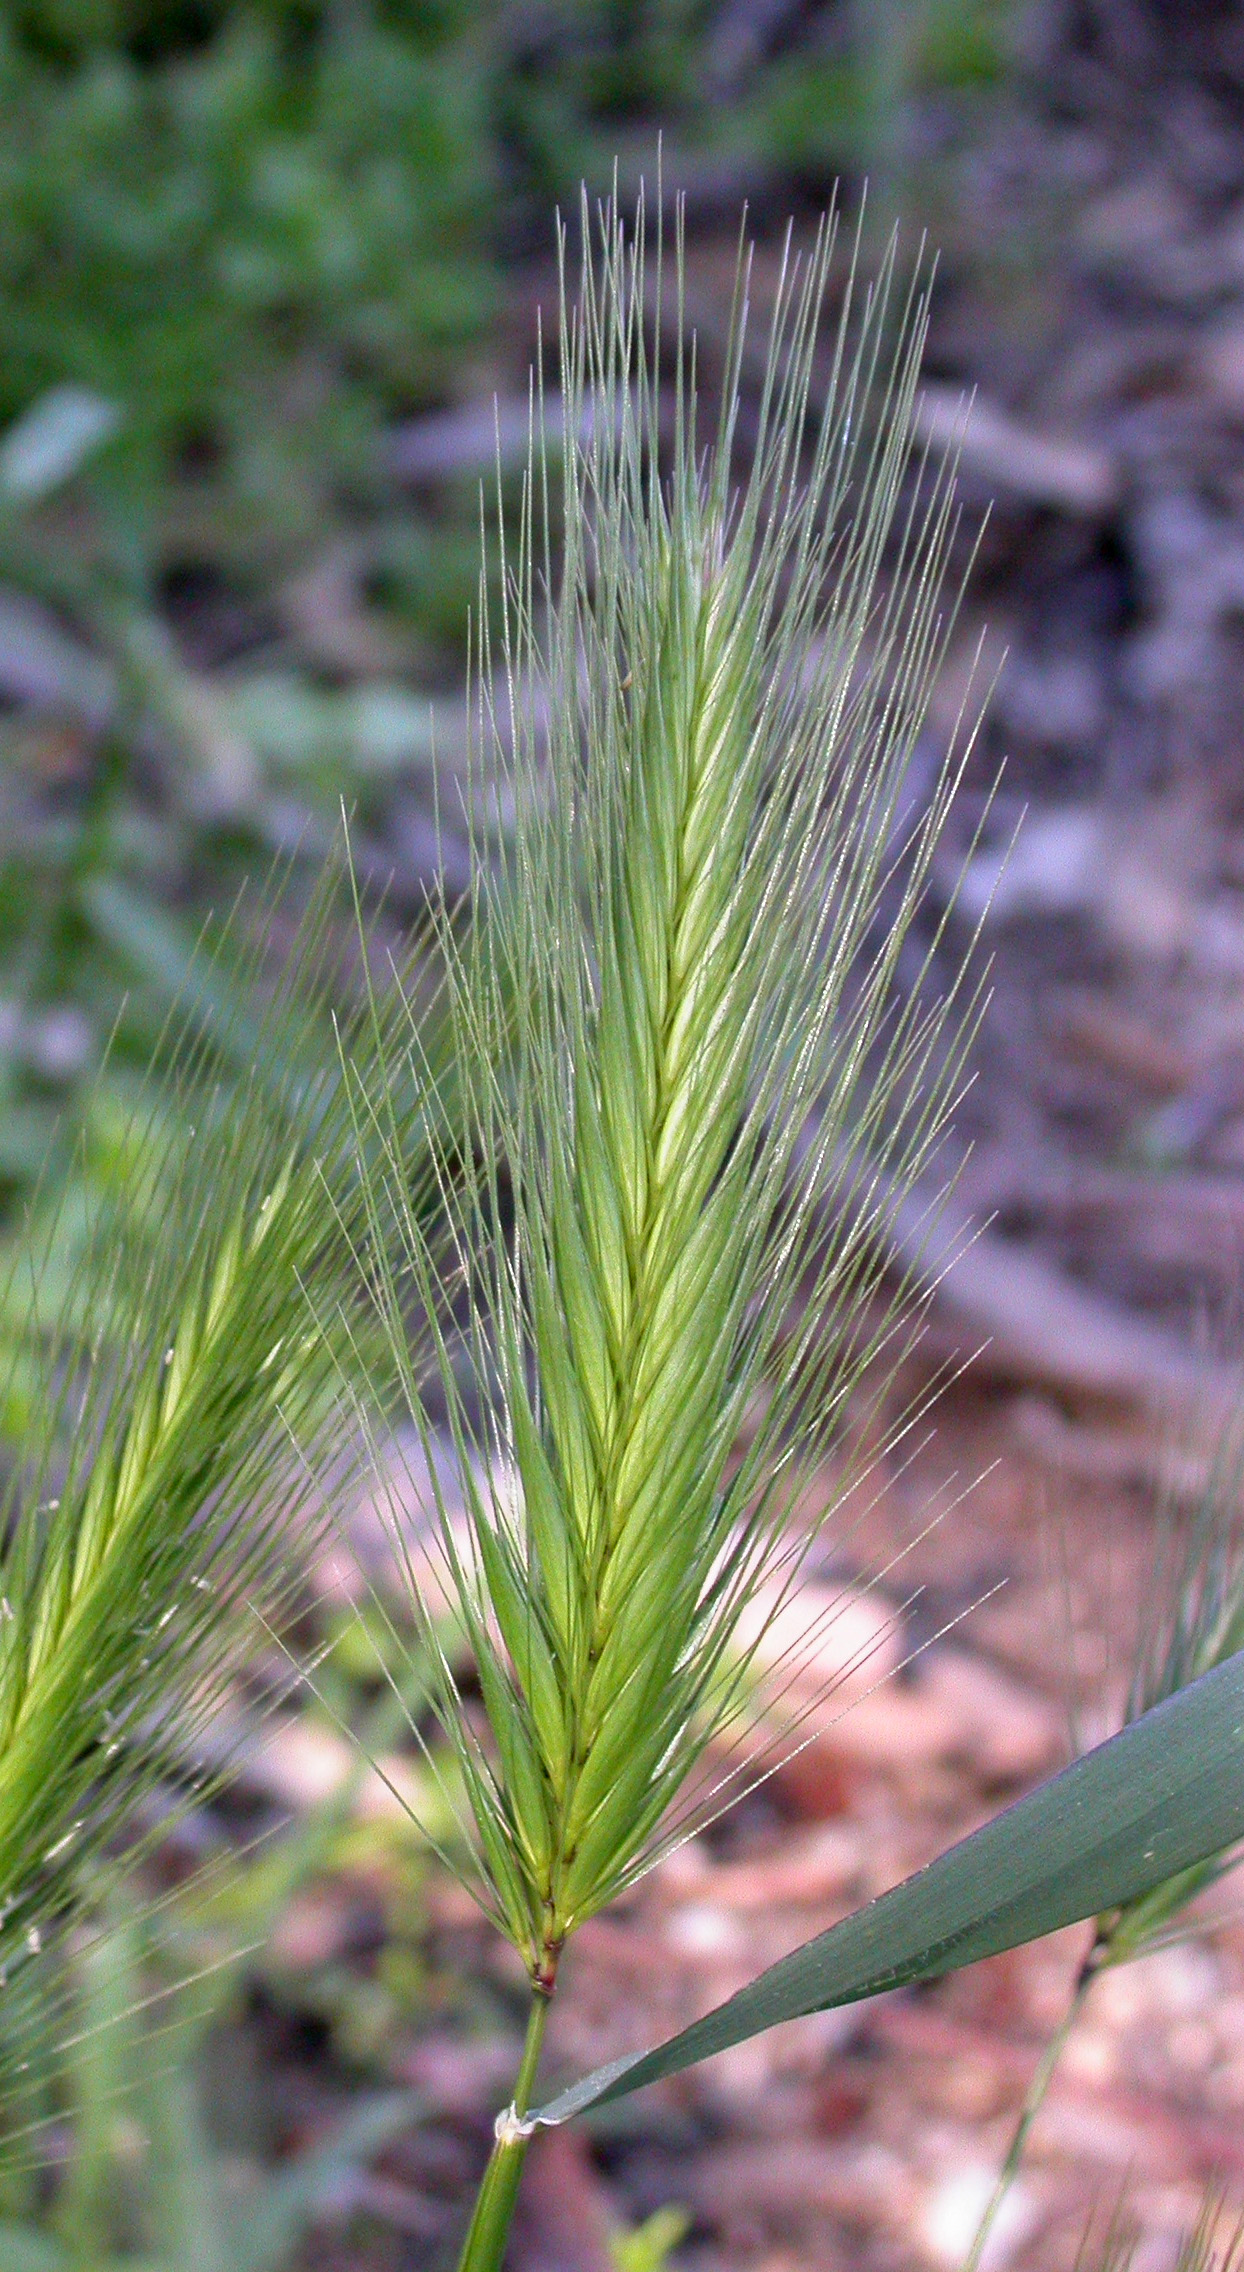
(52, 441)
(310, 2181)
(1161, 1796)
(191, 2212)
(214, 994)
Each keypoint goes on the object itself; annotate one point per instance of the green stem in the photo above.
(484, 2247)
(1031, 2107)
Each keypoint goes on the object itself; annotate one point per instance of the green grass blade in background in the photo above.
(1166, 1793)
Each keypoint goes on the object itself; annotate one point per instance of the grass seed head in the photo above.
(165, 1491)
(680, 1034)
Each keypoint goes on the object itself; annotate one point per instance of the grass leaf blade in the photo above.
(1164, 1794)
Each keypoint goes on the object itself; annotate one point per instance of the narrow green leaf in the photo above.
(1164, 1794)
(273, 2225)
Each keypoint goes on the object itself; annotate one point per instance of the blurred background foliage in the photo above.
(256, 233)
(250, 255)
